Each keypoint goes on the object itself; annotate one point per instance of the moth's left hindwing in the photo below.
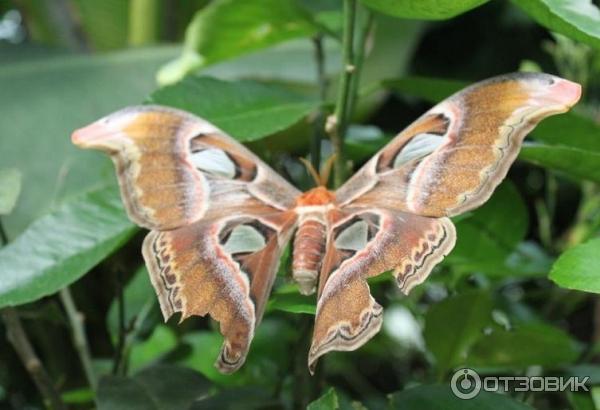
(219, 216)
(447, 162)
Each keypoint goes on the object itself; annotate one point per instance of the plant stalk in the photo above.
(76, 320)
(341, 114)
(16, 335)
(143, 22)
(319, 122)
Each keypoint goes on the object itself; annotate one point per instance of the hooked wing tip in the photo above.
(564, 92)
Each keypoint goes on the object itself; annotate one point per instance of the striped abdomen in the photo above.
(309, 248)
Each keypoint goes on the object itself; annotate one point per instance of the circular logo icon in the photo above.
(465, 383)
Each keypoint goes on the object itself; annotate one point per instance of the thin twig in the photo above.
(319, 122)
(76, 321)
(122, 330)
(363, 43)
(15, 333)
(338, 128)
(18, 338)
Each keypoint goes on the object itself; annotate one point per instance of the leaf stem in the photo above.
(143, 22)
(341, 114)
(80, 342)
(122, 330)
(18, 338)
(319, 122)
(363, 43)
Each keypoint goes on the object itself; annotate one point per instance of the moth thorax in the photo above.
(309, 248)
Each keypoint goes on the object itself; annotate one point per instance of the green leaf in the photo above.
(229, 28)
(527, 345)
(575, 162)
(78, 396)
(161, 342)
(577, 268)
(293, 303)
(139, 297)
(423, 9)
(328, 401)
(570, 129)
(104, 23)
(490, 234)
(62, 93)
(204, 349)
(440, 397)
(453, 325)
(10, 187)
(578, 19)
(61, 246)
(156, 388)
(245, 109)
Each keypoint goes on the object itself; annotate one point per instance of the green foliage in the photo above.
(251, 25)
(578, 19)
(452, 326)
(534, 344)
(63, 245)
(245, 109)
(327, 401)
(156, 388)
(423, 9)
(577, 268)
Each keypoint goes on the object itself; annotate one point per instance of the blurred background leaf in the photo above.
(10, 188)
(68, 242)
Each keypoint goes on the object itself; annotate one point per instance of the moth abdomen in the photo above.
(309, 248)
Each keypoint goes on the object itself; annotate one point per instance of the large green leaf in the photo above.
(527, 345)
(453, 325)
(246, 109)
(440, 397)
(45, 100)
(423, 9)
(577, 268)
(579, 163)
(156, 388)
(228, 28)
(60, 247)
(490, 234)
(10, 188)
(578, 19)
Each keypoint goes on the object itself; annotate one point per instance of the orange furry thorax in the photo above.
(316, 196)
